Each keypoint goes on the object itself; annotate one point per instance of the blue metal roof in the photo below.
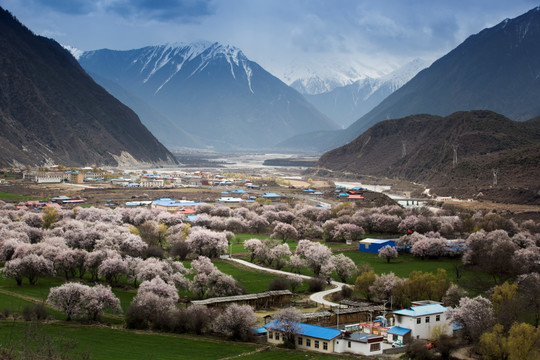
(398, 330)
(270, 195)
(173, 203)
(422, 310)
(239, 191)
(315, 331)
(260, 330)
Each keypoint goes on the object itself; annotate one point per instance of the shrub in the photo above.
(180, 249)
(135, 317)
(154, 251)
(34, 312)
(316, 284)
(346, 291)
(278, 283)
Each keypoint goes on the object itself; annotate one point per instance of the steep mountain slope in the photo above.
(497, 69)
(345, 104)
(51, 111)
(420, 148)
(212, 91)
(170, 134)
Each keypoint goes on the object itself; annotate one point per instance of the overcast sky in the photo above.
(377, 35)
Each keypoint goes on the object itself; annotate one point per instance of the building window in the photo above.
(427, 319)
(277, 336)
(270, 335)
(325, 346)
(375, 347)
(299, 341)
(349, 344)
(395, 337)
(308, 342)
(316, 344)
(438, 318)
(419, 320)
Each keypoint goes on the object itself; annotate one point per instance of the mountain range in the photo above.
(51, 111)
(420, 148)
(211, 91)
(345, 104)
(497, 69)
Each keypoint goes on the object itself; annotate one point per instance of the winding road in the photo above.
(317, 297)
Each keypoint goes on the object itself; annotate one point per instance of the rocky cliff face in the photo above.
(420, 148)
(497, 69)
(51, 111)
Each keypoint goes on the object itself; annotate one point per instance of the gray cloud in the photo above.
(162, 10)
(380, 35)
(71, 7)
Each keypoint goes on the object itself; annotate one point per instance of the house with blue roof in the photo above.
(172, 205)
(419, 321)
(309, 337)
(271, 196)
(238, 192)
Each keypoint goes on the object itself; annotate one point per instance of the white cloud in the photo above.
(376, 35)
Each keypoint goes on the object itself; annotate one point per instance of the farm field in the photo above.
(15, 197)
(296, 355)
(252, 280)
(103, 343)
(404, 264)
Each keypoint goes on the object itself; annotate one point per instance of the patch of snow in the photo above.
(74, 51)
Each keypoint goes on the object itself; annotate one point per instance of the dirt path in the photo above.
(317, 297)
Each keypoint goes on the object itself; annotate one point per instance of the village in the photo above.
(262, 223)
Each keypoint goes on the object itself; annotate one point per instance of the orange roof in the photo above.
(355, 197)
(186, 211)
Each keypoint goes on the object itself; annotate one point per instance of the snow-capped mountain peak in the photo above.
(159, 64)
(74, 51)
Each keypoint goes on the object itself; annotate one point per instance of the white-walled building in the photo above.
(418, 322)
(359, 343)
(309, 337)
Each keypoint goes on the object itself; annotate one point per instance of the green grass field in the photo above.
(404, 264)
(16, 197)
(39, 291)
(10, 304)
(254, 281)
(103, 343)
(295, 355)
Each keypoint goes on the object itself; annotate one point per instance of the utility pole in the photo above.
(495, 172)
(454, 161)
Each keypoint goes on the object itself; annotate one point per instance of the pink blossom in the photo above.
(235, 322)
(112, 269)
(476, 315)
(206, 242)
(388, 252)
(344, 266)
(284, 231)
(68, 298)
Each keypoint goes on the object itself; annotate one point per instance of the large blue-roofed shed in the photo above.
(374, 245)
(307, 336)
